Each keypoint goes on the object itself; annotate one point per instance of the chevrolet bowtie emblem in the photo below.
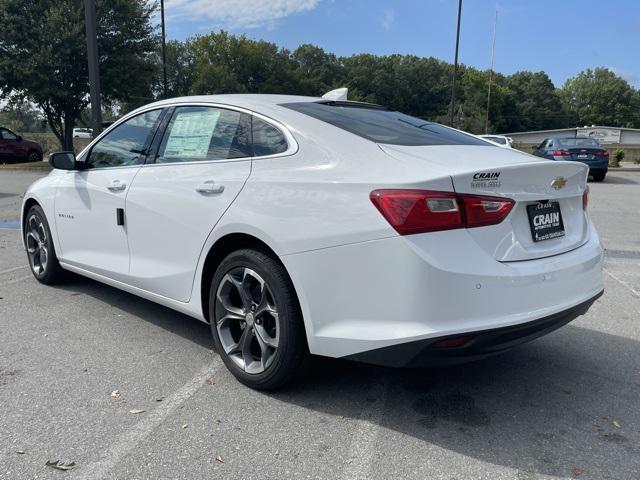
(559, 183)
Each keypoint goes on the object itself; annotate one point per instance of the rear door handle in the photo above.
(117, 186)
(209, 187)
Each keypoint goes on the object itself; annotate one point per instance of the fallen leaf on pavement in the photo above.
(575, 472)
(219, 459)
(115, 393)
(60, 465)
(135, 411)
(616, 424)
(210, 381)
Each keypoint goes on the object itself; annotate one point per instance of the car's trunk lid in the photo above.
(528, 180)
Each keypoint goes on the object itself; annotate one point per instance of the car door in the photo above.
(202, 163)
(3, 145)
(11, 146)
(90, 202)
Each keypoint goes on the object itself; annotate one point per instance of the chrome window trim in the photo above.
(292, 144)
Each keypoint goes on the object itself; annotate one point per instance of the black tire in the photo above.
(51, 272)
(289, 358)
(599, 177)
(34, 156)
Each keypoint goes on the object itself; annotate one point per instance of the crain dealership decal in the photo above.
(486, 180)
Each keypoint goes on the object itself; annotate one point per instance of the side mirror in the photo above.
(19, 138)
(63, 160)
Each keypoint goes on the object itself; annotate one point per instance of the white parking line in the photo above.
(16, 280)
(623, 283)
(103, 468)
(364, 437)
(9, 270)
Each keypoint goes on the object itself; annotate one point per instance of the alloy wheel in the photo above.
(37, 245)
(246, 317)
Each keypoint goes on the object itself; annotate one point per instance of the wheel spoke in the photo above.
(224, 298)
(234, 348)
(33, 228)
(43, 256)
(42, 233)
(265, 338)
(32, 243)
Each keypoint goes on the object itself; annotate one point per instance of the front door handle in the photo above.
(209, 187)
(117, 186)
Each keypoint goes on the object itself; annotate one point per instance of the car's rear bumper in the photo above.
(367, 296)
(477, 345)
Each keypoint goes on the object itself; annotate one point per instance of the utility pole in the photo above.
(164, 51)
(455, 67)
(94, 67)
(493, 51)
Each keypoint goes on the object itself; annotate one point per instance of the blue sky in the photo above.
(561, 37)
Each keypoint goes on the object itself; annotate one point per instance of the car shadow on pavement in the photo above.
(567, 401)
(621, 180)
(177, 323)
(563, 402)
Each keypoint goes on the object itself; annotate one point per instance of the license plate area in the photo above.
(545, 221)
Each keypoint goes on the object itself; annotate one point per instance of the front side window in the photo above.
(267, 139)
(126, 144)
(205, 133)
(384, 126)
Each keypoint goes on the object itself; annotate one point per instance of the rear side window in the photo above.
(384, 126)
(267, 139)
(205, 133)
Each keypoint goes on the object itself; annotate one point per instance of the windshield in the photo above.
(578, 142)
(384, 126)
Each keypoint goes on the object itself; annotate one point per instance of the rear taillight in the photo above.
(585, 198)
(560, 153)
(421, 211)
(603, 153)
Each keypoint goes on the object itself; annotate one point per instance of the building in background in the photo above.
(611, 138)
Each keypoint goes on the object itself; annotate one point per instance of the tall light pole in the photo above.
(94, 66)
(164, 51)
(493, 51)
(455, 66)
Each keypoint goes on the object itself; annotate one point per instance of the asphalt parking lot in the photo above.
(564, 406)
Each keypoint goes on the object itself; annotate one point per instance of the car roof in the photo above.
(242, 100)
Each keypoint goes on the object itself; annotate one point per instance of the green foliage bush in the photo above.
(616, 158)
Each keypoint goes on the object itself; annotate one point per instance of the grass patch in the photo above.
(26, 166)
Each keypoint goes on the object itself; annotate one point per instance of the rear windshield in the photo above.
(383, 126)
(578, 142)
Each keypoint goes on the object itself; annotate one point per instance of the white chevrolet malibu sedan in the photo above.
(297, 225)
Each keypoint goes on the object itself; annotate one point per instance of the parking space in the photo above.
(564, 406)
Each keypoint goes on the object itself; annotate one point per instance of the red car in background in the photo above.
(15, 149)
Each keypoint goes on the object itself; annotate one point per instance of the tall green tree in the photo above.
(538, 103)
(600, 97)
(43, 56)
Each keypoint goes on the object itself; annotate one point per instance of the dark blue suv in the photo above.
(577, 149)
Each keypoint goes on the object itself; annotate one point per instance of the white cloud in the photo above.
(388, 17)
(631, 77)
(238, 13)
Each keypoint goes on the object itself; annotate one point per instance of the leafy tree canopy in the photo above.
(43, 56)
